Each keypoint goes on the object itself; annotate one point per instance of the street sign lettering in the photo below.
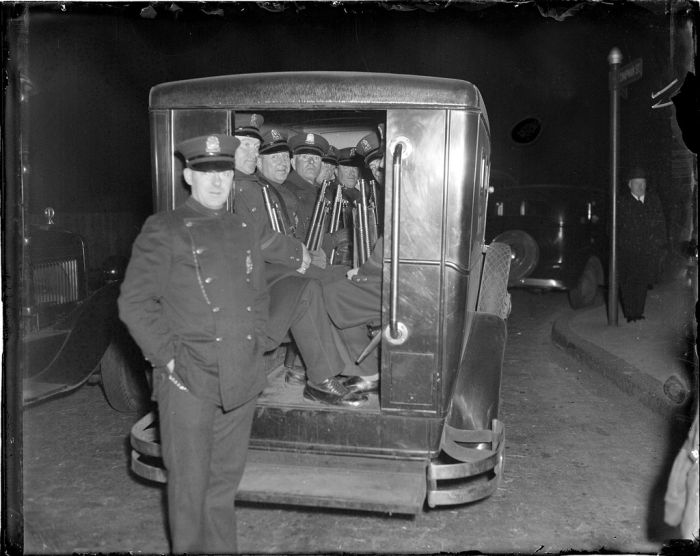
(630, 73)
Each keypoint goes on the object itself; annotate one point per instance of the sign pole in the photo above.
(614, 60)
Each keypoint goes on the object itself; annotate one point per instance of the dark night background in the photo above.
(86, 71)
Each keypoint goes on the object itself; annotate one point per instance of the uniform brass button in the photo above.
(253, 209)
(249, 337)
(188, 224)
(219, 339)
(244, 224)
(200, 250)
(249, 308)
(207, 280)
(247, 251)
(247, 279)
(216, 309)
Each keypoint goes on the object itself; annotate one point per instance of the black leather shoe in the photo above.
(333, 392)
(361, 384)
(295, 375)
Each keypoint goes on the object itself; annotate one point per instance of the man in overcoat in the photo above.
(641, 243)
(195, 300)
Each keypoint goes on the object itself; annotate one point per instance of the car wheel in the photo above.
(525, 254)
(124, 376)
(586, 290)
(493, 292)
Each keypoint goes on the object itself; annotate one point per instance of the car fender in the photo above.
(477, 389)
(92, 325)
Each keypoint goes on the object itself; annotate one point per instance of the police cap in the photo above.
(208, 153)
(349, 157)
(248, 125)
(274, 141)
(310, 143)
(369, 148)
(330, 156)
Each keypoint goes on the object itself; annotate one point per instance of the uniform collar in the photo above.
(240, 176)
(297, 180)
(201, 209)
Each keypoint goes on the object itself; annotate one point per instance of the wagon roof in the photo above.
(316, 90)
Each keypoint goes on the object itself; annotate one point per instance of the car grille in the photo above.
(56, 282)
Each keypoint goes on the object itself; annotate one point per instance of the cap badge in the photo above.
(365, 144)
(213, 146)
(352, 151)
(276, 135)
(254, 120)
(310, 139)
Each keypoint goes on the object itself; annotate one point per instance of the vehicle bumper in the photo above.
(473, 472)
(541, 283)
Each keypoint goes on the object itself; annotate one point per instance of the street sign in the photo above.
(629, 73)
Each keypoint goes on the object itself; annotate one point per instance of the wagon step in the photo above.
(368, 484)
(373, 484)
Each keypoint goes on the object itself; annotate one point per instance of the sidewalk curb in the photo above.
(631, 380)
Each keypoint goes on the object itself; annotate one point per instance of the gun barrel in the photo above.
(271, 213)
(315, 231)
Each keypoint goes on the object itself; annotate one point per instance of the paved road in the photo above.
(585, 470)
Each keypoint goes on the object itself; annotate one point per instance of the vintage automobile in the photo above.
(432, 434)
(557, 234)
(70, 332)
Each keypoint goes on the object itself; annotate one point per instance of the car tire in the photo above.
(493, 292)
(124, 376)
(586, 290)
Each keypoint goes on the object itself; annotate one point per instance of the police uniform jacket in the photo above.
(306, 195)
(194, 291)
(283, 253)
(249, 204)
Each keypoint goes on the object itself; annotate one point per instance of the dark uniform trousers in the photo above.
(353, 304)
(204, 449)
(296, 300)
(195, 293)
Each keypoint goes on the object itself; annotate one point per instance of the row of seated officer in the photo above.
(292, 170)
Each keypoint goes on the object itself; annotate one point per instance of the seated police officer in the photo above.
(296, 299)
(371, 149)
(329, 167)
(349, 164)
(274, 165)
(354, 304)
(307, 151)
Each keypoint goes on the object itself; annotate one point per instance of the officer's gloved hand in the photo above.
(305, 261)
(318, 258)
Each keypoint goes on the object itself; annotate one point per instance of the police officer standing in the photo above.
(195, 301)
